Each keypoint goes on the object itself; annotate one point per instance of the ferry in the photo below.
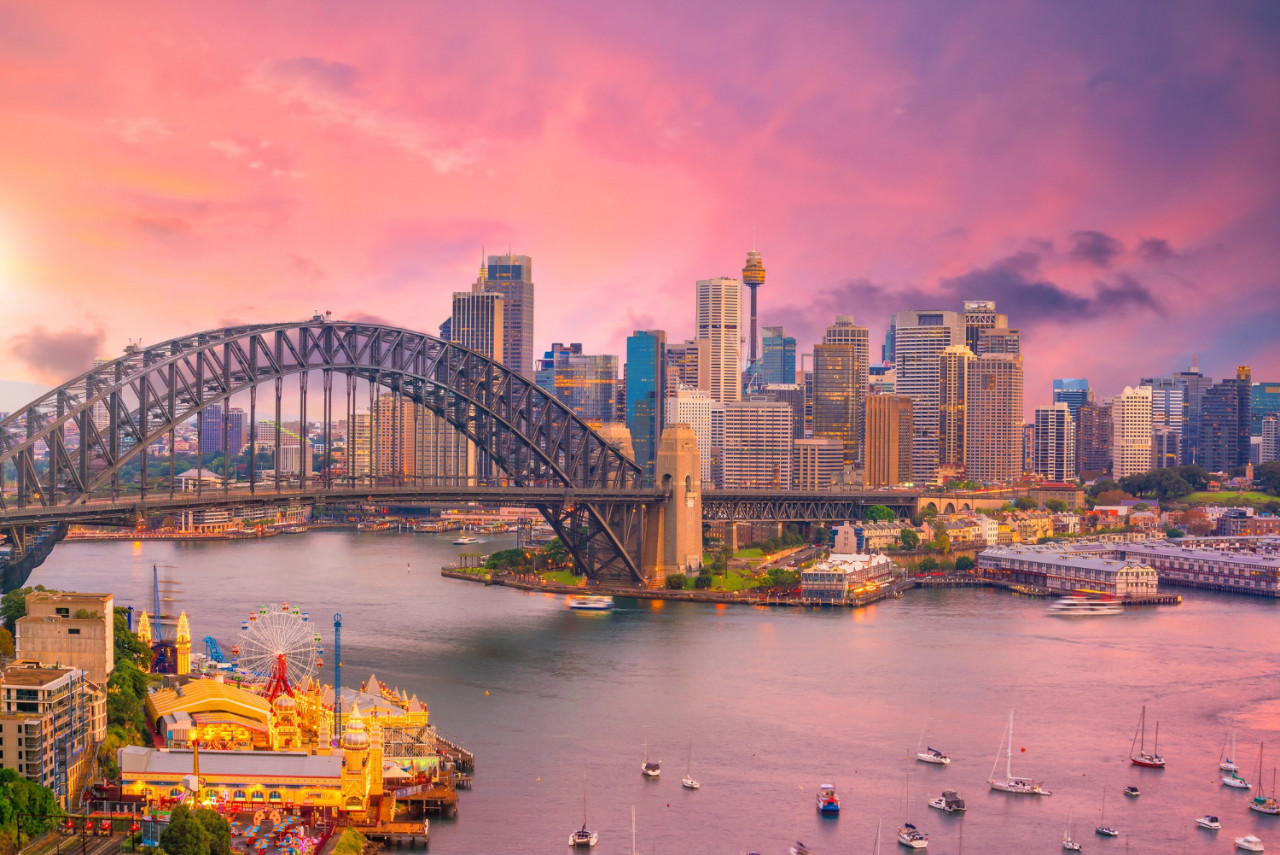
(591, 604)
(828, 801)
(465, 540)
(1077, 606)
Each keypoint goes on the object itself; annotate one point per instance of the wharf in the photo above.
(398, 834)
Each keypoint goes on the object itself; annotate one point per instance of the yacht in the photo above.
(1263, 803)
(650, 768)
(933, 755)
(949, 801)
(1234, 780)
(1151, 759)
(1069, 843)
(912, 837)
(1077, 606)
(584, 836)
(1010, 784)
(1249, 843)
(828, 801)
(1208, 821)
(591, 604)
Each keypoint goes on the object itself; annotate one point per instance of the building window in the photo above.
(239, 795)
(274, 795)
(63, 612)
(75, 631)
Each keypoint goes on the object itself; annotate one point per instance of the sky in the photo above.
(1107, 172)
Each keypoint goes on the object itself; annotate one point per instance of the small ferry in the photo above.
(1077, 606)
(591, 604)
(828, 801)
(465, 540)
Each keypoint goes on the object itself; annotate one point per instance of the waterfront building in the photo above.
(1054, 457)
(920, 337)
(1072, 391)
(1093, 440)
(479, 322)
(843, 576)
(697, 409)
(1265, 401)
(792, 394)
(70, 629)
(888, 441)
(953, 381)
(585, 383)
(818, 463)
(718, 320)
(758, 445)
(1052, 568)
(1270, 447)
(689, 364)
(777, 362)
(993, 430)
(1192, 565)
(753, 277)
(51, 721)
(512, 277)
(646, 394)
(1225, 422)
(1131, 433)
(840, 365)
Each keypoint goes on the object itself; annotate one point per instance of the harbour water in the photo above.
(772, 702)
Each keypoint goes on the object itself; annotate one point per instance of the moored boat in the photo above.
(1068, 843)
(1208, 821)
(949, 801)
(1226, 761)
(584, 837)
(1152, 759)
(1249, 843)
(1009, 783)
(912, 837)
(828, 801)
(1263, 803)
(933, 755)
(1132, 792)
(1235, 782)
(1104, 829)
(650, 768)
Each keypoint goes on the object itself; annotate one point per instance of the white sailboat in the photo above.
(1009, 783)
(929, 754)
(908, 834)
(688, 781)
(1104, 829)
(650, 768)
(1067, 843)
(584, 837)
(1226, 762)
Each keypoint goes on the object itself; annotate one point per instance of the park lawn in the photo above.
(754, 552)
(732, 582)
(562, 577)
(1252, 497)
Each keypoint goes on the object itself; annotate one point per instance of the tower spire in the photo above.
(753, 278)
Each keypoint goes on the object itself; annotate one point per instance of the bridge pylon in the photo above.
(673, 529)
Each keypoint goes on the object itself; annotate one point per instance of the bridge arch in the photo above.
(111, 415)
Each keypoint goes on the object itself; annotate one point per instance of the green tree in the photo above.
(1025, 503)
(6, 643)
(555, 551)
(877, 513)
(941, 541)
(1058, 506)
(909, 539)
(676, 582)
(129, 647)
(13, 605)
(219, 830)
(927, 564)
(964, 562)
(1173, 533)
(185, 834)
(26, 810)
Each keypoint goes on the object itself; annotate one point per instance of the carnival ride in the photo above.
(275, 637)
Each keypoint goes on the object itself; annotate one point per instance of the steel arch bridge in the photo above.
(110, 416)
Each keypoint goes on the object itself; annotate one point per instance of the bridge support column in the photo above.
(673, 529)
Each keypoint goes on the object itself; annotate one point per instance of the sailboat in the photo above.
(908, 834)
(1263, 803)
(584, 837)
(1225, 761)
(687, 781)
(930, 754)
(1104, 829)
(1142, 758)
(634, 850)
(1067, 843)
(650, 768)
(1009, 783)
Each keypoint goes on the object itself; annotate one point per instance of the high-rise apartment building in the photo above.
(1226, 421)
(214, 428)
(919, 339)
(1131, 432)
(978, 316)
(479, 322)
(1265, 401)
(816, 464)
(646, 394)
(1054, 456)
(512, 277)
(758, 445)
(1193, 384)
(1270, 448)
(882, 380)
(695, 408)
(1093, 440)
(888, 441)
(585, 383)
(999, 339)
(1072, 391)
(840, 371)
(993, 430)
(792, 394)
(777, 362)
(689, 364)
(953, 383)
(718, 319)
(1168, 418)
(888, 349)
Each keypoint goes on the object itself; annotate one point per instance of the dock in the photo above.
(398, 834)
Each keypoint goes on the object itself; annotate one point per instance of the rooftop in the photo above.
(25, 676)
(136, 760)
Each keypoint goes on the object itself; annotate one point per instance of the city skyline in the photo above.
(1104, 189)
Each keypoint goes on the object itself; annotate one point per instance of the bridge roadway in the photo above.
(717, 505)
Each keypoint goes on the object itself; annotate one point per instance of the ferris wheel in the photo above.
(277, 630)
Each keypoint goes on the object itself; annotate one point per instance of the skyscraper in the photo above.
(479, 322)
(214, 426)
(993, 430)
(753, 278)
(757, 445)
(777, 362)
(1226, 421)
(1266, 400)
(919, 339)
(888, 441)
(512, 277)
(1131, 433)
(695, 408)
(1093, 440)
(646, 393)
(1194, 384)
(585, 383)
(1270, 449)
(953, 383)
(1168, 418)
(1054, 456)
(980, 315)
(718, 319)
(791, 394)
(840, 370)
(689, 363)
(1072, 391)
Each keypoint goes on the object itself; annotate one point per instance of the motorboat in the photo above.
(933, 755)
(466, 540)
(1249, 843)
(799, 849)
(828, 801)
(1077, 606)
(1208, 821)
(1106, 831)
(949, 801)
(1009, 783)
(912, 837)
(1151, 759)
(591, 604)
(1132, 792)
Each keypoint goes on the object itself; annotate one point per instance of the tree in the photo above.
(964, 562)
(878, 513)
(219, 830)
(129, 648)
(1267, 477)
(555, 551)
(1058, 506)
(185, 834)
(6, 643)
(25, 810)
(1113, 497)
(676, 582)
(1025, 503)
(909, 539)
(927, 564)
(14, 605)
(941, 541)
(1173, 533)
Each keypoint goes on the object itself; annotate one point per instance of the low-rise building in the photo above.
(1055, 568)
(1066, 523)
(1191, 565)
(69, 629)
(843, 576)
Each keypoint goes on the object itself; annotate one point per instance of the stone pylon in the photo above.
(673, 530)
